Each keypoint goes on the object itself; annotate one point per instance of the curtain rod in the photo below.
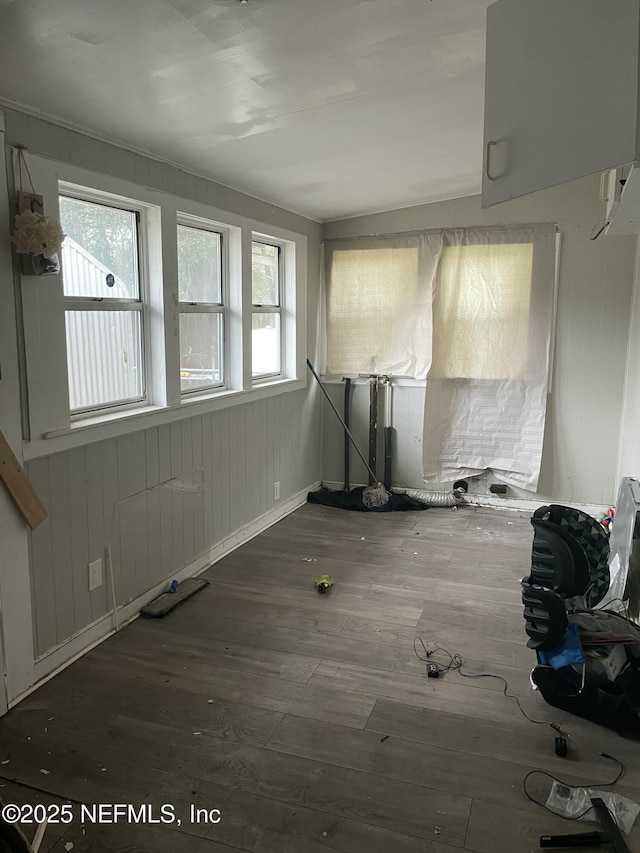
(417, 232)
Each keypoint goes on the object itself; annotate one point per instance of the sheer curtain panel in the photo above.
(379, 296)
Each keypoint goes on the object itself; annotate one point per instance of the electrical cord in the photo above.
(561, 782)
(456, 662)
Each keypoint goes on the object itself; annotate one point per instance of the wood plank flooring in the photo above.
(307, 720)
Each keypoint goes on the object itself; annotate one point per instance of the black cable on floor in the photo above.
(456, 662)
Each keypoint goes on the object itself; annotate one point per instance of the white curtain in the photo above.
(378, 296)
(486, 390)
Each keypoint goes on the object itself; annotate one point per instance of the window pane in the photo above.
(481, 311)
(265, 278)
(104, 358)
(100, 254)
(375, 303)
(199, 256)
(201, 364)
(265, 342)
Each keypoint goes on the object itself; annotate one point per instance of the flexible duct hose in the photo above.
(428, 498)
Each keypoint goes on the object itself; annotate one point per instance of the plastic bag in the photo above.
(568, 653)
(571, 802)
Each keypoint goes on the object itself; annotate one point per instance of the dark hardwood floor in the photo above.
(306, 719)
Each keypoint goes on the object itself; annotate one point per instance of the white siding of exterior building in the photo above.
(111, 370)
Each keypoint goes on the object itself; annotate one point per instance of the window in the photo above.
(266, 321)
(370, 292)
(104, 312)
(470, 310)
(379, 304)
(481, 311)
(454, 303)
(154, 313)
(201, 306)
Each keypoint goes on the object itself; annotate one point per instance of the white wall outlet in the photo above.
(276, 490)
(95, 575)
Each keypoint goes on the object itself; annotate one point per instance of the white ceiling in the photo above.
(327, 107)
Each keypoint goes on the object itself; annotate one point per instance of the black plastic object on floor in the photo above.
(12, 839)
(613, 704)
(610, 838)
(353, 500)
(168, 601)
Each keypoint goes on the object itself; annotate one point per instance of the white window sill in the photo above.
(87, 430)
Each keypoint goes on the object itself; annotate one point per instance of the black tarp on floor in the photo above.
(353, 500)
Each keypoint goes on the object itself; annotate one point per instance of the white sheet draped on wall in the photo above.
(472, 310)
(486, 392)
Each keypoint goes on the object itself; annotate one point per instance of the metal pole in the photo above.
(388, 434)
(339, 416)
(347, 446)
(373, 428)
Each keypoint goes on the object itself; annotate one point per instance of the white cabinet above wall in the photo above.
(561, 92)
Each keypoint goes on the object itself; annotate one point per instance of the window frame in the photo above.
(221, 308)
(91, 303)
(48, 426)
(277, 309)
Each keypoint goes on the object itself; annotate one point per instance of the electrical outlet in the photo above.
(276, 490)
(95, 575)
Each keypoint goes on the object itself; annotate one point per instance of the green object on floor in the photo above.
(323, 583)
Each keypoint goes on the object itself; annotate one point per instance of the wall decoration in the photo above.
(37, 237)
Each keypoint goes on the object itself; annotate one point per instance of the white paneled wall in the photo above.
(154, 501)
(584, 411)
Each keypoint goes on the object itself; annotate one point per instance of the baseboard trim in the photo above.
(529, 505)
(55, 660)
